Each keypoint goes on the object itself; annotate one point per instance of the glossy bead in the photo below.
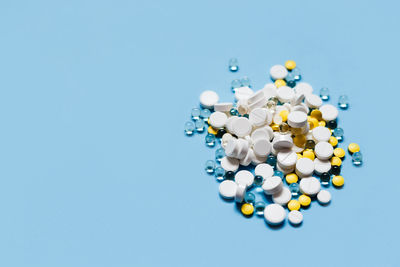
(271, 105)
(220, 133)
(291, 178)
(325, 178)
(278, 173)
(210, 140)
(233, 65)
(338, 133)
(339, 152)
(205, 114)
(291, 84)
(271, 160)
(235, 84)
(337, 180)
(297, 74)
(357, 158)
(189, 128)
(324, 93)
(280, 83)
(322, 123)
(229, 175)
(210, 166)
(259, 206)
(332, 124)
(304, 200)
(293, 205)
(245, 81)
(284, 115)
(247, 209)
(336, 161)
(299, 140)
(200, 125)
(246, 115)
(294, 189)
(284, 128)
(335, 170)
(310, 144)
(195, 113)
(313, 122)
(234, 112)
(343, 102)
(219, 173)
(333, 141)
(219, 154)
(290, 78)
(249, 198)
(353, 147)
(258, 180)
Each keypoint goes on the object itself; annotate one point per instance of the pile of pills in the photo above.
(279, 144)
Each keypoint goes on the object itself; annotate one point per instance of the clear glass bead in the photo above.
(249, 198)
(235, 84)
(338, 133)
(284, 128)
(258, 180)
(245, 81)
(195, 113)
(310, 144)
(271, 160)
(357, 158)
(233, 65)
(294, 188)
(205, 114)
(343, 102)
(210, 140)
(297, 74)
(219, 154)
(259, 207)
(210, 166)
(219, 173)
(324, 93)
(229, 175)
(189, 128)
(234, 112)
(290, 77)
(325, 178)
(278, 173)
(200, 125)
(271, 105)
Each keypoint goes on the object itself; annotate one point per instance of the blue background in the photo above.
(95, 169)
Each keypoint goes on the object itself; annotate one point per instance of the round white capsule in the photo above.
(313, 101)
(295, 217)
(285, 94)
(227, 189)
(321, 133)
(278, 72)
(218, 119)
(272, 185)
(329, 112)
(324, 197)
(208, 99)
(321, 166)
(240, 192)
(303, 88)
(241, 127)
(304, 167)
(287, 158)
(262, 147)
(244, 177)
(323, 150)
(274, 214)
(229, 164)
(265, 170)
(282, 197)
(297, 119)
(310, 186)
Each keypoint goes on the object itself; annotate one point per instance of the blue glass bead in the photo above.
(325, 178)
(245, 81)
(189, 128)
(249, 198)
(233, 65)
(259, 207)
(338, 133)
(357, 158)
(219, 154)
(297, 74)
(200, 125)
(291, 84)
(343, 102)
(210, 166)
(294, 188)
(234, 112)
(290, 77)
(258, 180)
(205, 114)
(195, 113)
(229, 175)
(219, 173)
(210, 140)
(279, 174)
(324, 93)
(235, 84)
(271, 160)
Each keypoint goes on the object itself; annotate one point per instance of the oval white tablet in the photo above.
(323, 150)
(329, 112)
(303, 88)
(310, 186)
(240, 192)
(285, 94)
(208, 99)
(274, 214)
(265, 170)
(218, 119)
(272, 185)
(255, 97)
(321, 133)
(313, 101)
(227, 189)
(223, 107)
(322, 166)
(244, 177)
(282, 141)
(278, 72)
(241, 127)
(287, 158)
(295, 217)
(304, 167)
(324, 197)
(262, 147)
(229, 164)
(297, 119)
(283, 197)
(258, 116)
(270, 90)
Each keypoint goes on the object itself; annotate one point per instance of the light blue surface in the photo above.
(96, 171)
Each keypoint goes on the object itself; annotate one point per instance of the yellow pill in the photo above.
(313, 122)
(333, 141)
(308, 153)
(247, 209)
(316, 114)
(290, 64)
(293, 205)
(338, 180)
(353, 148)
(336, 161)
(291, 178)
(304, 200)
(279, 83)
(211, 130)
(339, 152)
(299, 156)
(322, 123)
(284, 114)
(299, 140)
(275, 127)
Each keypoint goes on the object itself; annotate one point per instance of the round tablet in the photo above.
(322, 166)
(223, 107)
(227, 189)
(258, 116)
(282, 197)
(260, 133)
(245, 178)
(295, 217)
(265, 170)
(232, 148)
(259, 103)
(218, 119)
(244, 148)
(313, 101)
(272, 185)
(329, 112)
(300, 107)
(324, 197)
(255, 97)
(208, 99)
(270, 90)
(229, 123)
(285, 94)
(240, 192)
(274, 214)
(297, 99)
(323, 150)
(310, 186)
(321, 133)
(278, 72)
(255, 160)
(284, 170)
(287, 158)
(304, 167)
(243, 93)
(282, 141)
(297, 119)
(262, 147)
(229, 164)
(241, 127)
(303, 88)
(247, 160)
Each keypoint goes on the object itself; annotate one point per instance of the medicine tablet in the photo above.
(272, 185)
(297, 99)
(303, 88)
(270, 90)
(256, 96)
(259, 116)
(321, 133)
(324, 197)
(244, 148)
(322, 166)
(255, 160)
(208, 99)
(297, 119)
(232, 148)
(227, 189)
(301, 107)
(329, 112)
(265, 170)
(223, 107)
(258, 104)
(241, 127)
(323, 150)
(229, 164)
(274, 214)
(313, 101)
(240, 192)
(243, 93)
(304, 167)
(295, 217)
(260, 133)
(218, 119)
(229, 123)
(262, 147)
(247, 160)
(278, 72)
(245, 178)
(285, 94)
(282, 141)
(284, 170)
(282, 197)
(310, 186)
(287, 159)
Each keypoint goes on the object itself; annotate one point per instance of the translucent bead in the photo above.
(258, 180)
(271, 160)
(195, 113)
(338, 133)
(249, 198)
(245, 81)
(233, 65)
(332, 124)
(220, 133)
(235, 84)
(278, 173)
(189, 128)
(291, 84)
(260, 206)
(271, 104)
(297, 74)
(343, 102)
(210, 166)
(275, 99)
(219, 173)
(200, 125)
(324, 93)
(325, 178)
(205, 114)
(357, 158)
(229, 175)
(335, 170)
(210, 140)
(234, 112)
(219, 154)
(290, 77)
(294, 189)
(310, 144)
(284, 128)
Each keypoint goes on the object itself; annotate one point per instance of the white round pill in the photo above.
(282, 141)
(295, 217)
(265, 170)
(304, 167)
(284, 170)
(274, 214)
(244, 148)
(218, 119)
(229, 123)
(282, 197)
(259, 116)
(272, 185)
(310, 186)
(244, 177)
(301, 107)
(229, 164)
(278, 72)
(247, 160)
(303, 88)
(258, 104)
(285, 94)
(260, 133)
(297, 99)
(324, 197)
(329, 112)
(262, 147)
(227, 189)
(321, 133)
(208, 99)
(256, 96)
(313, 101)
(322, 166)
(297, 119)
(240, 192)
(257, 159)
(243, 93)
(223, 107)
(241, 127)
(287, 158)
(232, 148)
(323, 150)
(277, 119)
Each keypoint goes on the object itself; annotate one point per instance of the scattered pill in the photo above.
(227, 189)
(295, 217)
(329, 112)
(240, 193)
(282, 197)
(338, 180)
(272, 185)
(229, 164)
(324, 197)
(247, 209)
(278, 72)
(294, 205)
(310, 186)
(304, 200)
(208, 99)
(265, 170)
(245, 178)
(291, 178)
(274, 214)
(353, 147)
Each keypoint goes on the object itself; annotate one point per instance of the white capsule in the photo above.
(272, 185)
(287, 158)
(282, 141)
(241, 127)
(297, 119)
(304, 167)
